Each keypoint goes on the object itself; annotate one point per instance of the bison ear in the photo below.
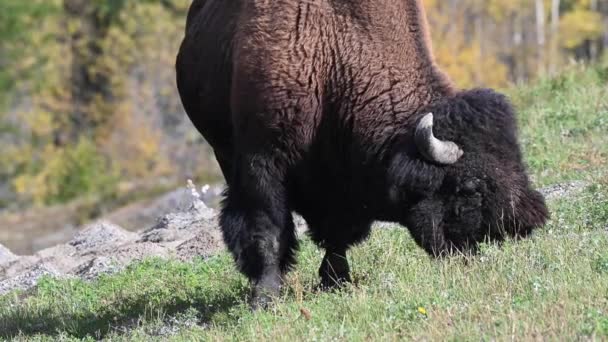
(531, 212)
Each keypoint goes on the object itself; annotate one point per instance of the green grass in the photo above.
(564, 126)
(552, 286)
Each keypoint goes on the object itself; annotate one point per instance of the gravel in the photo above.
(563, 190)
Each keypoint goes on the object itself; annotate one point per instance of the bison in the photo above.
(336, 110)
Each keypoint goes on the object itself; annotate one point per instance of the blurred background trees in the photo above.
(497, 42)
(88, 101)
(89, 107)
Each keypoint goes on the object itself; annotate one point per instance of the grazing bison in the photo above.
(335, 109)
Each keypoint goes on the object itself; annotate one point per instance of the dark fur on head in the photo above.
(486, 195)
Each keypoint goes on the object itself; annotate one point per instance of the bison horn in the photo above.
(433, 149)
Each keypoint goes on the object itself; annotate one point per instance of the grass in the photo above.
(564, 125)
(553, 286)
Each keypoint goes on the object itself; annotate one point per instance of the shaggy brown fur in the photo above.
(311, 106)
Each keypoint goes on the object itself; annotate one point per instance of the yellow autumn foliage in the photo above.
(579, 25)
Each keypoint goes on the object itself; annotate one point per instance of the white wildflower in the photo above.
(193, 191)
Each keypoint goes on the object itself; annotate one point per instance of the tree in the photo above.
(540, 34)
(15, 33)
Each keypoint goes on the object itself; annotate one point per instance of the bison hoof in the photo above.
(264, 294)
(329, 283)
(261, 301)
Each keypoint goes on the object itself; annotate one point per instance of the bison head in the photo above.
(477, 187)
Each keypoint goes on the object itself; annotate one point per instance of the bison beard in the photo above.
(336, 110)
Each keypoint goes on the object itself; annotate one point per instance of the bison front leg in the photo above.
(257, 224)
(334, 270)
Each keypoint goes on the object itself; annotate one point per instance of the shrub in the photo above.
(66, 173)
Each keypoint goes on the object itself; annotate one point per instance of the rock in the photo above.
(62, 263)
(96, 267)
(28, 279)
(182, 220)
(181, 225)
(6, 255)
(137, 251)
(158, 235)
(104, 248)
(18, 266)
(144, 214)
(206, 243)
(563, 190)
(58, 251)
(112, 260)
(99, 235)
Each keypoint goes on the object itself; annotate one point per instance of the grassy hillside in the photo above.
(554, 285)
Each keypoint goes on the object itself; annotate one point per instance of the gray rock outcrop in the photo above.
(103, 247)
